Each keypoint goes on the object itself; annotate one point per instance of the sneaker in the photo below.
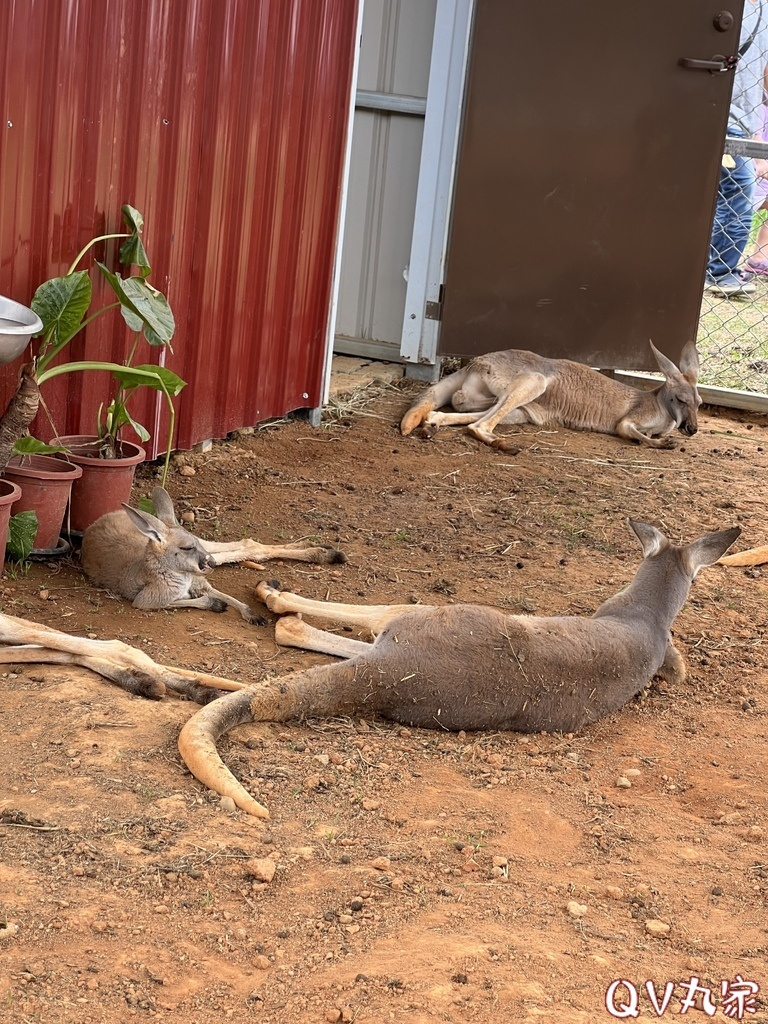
(729, 285)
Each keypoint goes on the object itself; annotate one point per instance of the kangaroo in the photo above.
(468, 666)
(156, 563)
(523, 387)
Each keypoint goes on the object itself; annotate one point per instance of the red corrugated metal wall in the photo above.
(223, 122)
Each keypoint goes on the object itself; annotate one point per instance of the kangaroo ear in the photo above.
(161, 499)
(147, 524)
(707, 549)
(689, 362)
(665, 364)
(653, 540)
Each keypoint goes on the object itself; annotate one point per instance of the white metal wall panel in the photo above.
(386, 154)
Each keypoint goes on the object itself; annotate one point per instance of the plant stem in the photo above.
(56, 371)
(93, 241)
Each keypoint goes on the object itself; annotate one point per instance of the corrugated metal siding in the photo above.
(223, 122)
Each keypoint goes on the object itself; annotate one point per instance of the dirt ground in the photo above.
(419, 877)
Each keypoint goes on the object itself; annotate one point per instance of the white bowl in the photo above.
(17, 325)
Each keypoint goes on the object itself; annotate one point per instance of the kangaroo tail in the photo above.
(754, 556)
(435, 396)
(322, 690)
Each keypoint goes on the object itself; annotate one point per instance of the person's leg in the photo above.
(733, 218)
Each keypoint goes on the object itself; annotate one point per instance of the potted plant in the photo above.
(9, 493)
(62, 304)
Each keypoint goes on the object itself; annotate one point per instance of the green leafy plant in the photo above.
(62, 304)
(22, 530)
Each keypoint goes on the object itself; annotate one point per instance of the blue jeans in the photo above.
(733, 217)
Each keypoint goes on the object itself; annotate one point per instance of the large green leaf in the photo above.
(165, 379)
(132, 251)
(134, 322)
(61, 304)
(22, 530)
(29, 445)
(152, 306)
(140, 430)
(145, 302)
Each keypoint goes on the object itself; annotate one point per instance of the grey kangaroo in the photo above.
(523, 387)
(467, 666)
(156, 563)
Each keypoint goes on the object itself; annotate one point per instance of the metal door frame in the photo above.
(445, 95)
(450, 52)
(330, 334)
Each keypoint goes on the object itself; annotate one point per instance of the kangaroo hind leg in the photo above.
(522, 390)
(373, 616)
(292, 631)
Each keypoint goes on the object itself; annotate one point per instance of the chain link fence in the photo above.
(733, 325)
(733, 330)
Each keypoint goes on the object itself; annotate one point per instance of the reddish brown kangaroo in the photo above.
(156, 563)
(468, 666)
(523, 387)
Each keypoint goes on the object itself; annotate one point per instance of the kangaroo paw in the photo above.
(327, 556)
(503, 444)
(415, 417)
(254, 618)
(141, 684)
(191, 690)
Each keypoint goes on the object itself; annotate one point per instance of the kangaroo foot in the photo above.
(269, 594)
(673, 667)
(289, 631)
(414, 417)
(504, 444)
(667, 442)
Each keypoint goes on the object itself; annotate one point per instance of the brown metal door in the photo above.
(586, 178)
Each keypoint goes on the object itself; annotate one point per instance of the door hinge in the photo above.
(434, 310)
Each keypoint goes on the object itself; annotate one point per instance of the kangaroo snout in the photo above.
(206, 564)
(689, 427)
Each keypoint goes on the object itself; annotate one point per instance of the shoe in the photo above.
(755, 265)
(748, 286)
(730, 285)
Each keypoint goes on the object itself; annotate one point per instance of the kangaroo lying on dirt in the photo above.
(523, 387)
(156, 563)
(468, 666)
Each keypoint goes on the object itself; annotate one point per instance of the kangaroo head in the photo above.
(700, 552)
(678, 393)
(178, 550)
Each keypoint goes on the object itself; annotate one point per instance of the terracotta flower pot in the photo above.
(105, 483)
(9, 493)
(45, 484)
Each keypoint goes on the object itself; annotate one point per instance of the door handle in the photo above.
(715, 65)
